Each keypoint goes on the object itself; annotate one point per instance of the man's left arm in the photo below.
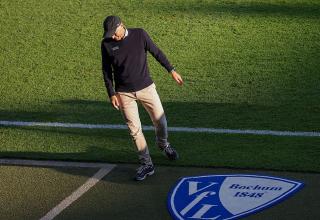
(161, 58)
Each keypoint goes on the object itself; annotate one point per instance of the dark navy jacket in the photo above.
(125, 62)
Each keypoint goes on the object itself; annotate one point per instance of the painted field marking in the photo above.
(175, 129)
(103, 171)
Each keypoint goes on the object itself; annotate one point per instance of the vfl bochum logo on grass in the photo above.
(218, 197)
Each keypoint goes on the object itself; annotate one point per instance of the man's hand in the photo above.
(176, 76)
(115, 102)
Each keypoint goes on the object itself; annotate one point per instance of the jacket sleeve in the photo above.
(107, 71)
(156, 52)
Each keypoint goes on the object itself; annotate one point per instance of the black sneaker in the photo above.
(143, 171)
(170, 152)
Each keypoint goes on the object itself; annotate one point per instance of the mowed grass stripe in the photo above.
(195, 149)
(32, 191)
(51, 163)
(102, 172)
(77, 194)
(176, 129)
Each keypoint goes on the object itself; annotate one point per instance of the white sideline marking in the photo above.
(177, 129)
(104, 170)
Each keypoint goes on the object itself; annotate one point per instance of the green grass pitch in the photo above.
(246, 65)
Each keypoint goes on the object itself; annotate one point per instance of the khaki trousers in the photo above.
(150, 100)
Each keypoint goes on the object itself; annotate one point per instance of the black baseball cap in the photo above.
(110, 25)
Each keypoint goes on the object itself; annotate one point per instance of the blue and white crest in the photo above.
(218, 197)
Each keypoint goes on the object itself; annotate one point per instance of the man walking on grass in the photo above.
(124, 62)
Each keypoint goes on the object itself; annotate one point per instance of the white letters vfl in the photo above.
(193, 188)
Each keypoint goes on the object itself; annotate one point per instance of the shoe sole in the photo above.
(147, 174)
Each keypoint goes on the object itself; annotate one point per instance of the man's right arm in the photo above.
(108, 77)
(107, 71)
